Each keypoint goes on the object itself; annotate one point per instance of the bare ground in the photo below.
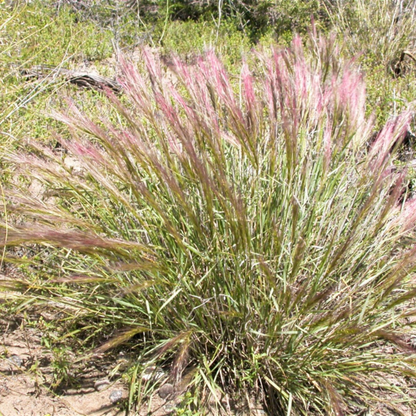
(28, 380)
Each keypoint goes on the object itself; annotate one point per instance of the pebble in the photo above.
(169, 407)
(16, 360)
(152, 373)
(166, 390)
(101, 384)
(115, 396)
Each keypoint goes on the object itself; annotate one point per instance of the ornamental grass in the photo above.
(239, 232)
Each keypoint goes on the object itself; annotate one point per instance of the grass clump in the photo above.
(247, 242)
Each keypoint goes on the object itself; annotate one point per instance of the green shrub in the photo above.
(248, 241)
(190, 39)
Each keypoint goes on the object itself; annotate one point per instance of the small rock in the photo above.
(169, 407)
(115, 396)
(16, 360)
(101, 384)
(166, 390)
(4, 390)
(152, 373)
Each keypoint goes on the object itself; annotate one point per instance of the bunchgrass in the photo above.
(238, 233)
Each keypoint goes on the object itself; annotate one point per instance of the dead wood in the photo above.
(398, 66)
(79, 78)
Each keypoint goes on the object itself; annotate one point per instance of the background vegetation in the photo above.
(225, 219)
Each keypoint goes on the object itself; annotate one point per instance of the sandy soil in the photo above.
(27, 380)
(26, 373)
(27, 377)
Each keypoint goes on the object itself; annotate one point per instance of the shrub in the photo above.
(189, 39)
(246, 240)
(254, 18)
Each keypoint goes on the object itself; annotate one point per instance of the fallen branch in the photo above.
(79, 78)
(398, 66)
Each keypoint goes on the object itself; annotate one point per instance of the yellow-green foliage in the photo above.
(35, 34)
(38, 34)
(190, 38)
